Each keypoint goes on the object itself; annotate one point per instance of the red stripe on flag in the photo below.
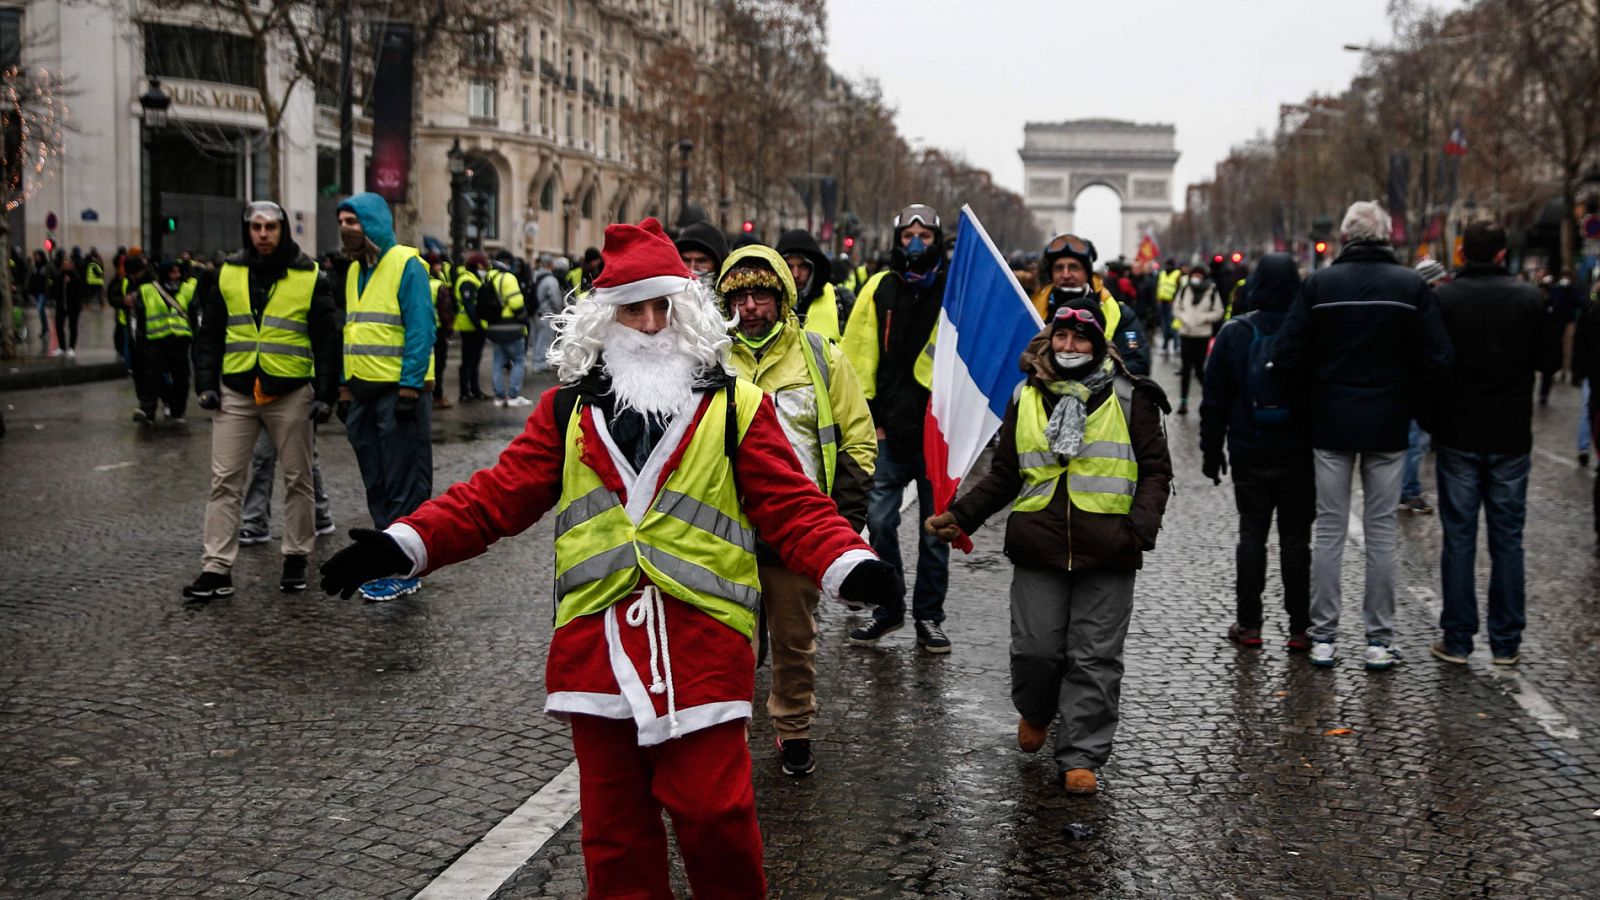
(936, 458)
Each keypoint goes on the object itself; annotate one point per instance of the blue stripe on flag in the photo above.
(993, 318)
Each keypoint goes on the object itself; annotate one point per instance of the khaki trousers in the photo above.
(791, 603)
(234, 429)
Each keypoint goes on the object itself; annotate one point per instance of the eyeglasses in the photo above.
(919, 214)
(1071, 243)
(758, 296)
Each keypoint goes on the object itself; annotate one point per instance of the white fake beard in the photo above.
(648, 371)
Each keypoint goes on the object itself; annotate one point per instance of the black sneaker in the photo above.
(144, 416)
(294, 574)
(868, 634)
(209, 585)
(1417, 505)
(1583, 459)
(796, 756)
(931, 637)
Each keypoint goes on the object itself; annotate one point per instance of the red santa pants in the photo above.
(702, 779)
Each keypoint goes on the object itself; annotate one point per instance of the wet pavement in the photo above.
(277, 745)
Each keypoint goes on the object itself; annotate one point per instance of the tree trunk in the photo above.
(8, 343)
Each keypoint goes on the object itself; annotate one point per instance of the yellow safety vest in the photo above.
(815, 353)
(94, 274)
(374, 332)
(463, 321)
(822, 317)
(695, 542)
(121, 291)
(861, 342)
(575, 281)
(1167, 285)
(161, 320)
(1103, 476)
(433, 288)
(1109, 307)
(281, 344)
(508, 290)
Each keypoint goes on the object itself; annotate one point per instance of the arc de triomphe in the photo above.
(1061, 159)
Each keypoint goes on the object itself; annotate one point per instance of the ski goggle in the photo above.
(918, 214)
(1069, 315)
(263, 209)
(1070, 243)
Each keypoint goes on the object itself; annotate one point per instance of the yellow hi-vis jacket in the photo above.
(1109, 307)
(861, 338)
(822, 316)
(1103, 476)
(166, 316)
(694, 542)
(463, 319)
(1167, 285)
(374, 332)
(281, 344)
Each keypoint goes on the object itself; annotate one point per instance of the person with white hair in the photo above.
(1365, 342)
(664, 471)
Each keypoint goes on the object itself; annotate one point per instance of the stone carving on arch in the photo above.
(1117, 181)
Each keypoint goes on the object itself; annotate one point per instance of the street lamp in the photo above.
(155, 102)
(566, 227)
(723, 205)
(458, 184)
(684, 146)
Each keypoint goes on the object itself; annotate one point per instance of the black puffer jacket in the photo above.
(1364, 341)
(1496, 325)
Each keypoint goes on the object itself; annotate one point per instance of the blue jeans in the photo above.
(883, 521)
(1500, 485)
(1410, 483)
(508, 353)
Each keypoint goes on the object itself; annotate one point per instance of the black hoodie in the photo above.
(798, 241)
(1226, 409)
(322, 322)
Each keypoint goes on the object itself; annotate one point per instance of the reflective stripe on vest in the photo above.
(161, 320)
(827, 429)
(374, 329)
(282, 343)
(694, 541)
(1104, 475)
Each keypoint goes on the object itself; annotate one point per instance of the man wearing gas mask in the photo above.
(889, 341)
(1066, 269)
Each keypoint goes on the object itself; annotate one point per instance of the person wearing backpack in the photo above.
(1246, 409)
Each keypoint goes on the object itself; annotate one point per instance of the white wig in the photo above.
(692, 313)
(1365, 220)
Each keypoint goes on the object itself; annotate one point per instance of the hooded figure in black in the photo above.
(813, 283)
(1249, 409)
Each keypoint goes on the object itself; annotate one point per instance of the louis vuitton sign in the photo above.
(216, 97)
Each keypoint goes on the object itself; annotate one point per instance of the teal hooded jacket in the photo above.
(416, 299)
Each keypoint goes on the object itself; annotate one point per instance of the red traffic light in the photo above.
(1322, 247)
(1237, 257)
(49, 245)
(749, 226)
(1217, 259)
(849, 242)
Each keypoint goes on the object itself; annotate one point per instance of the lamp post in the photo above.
(684, 146)
(154, 102)
(723, 205)
(566, 227)
(458, 183)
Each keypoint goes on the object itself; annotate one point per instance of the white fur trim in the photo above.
(643, 289)
(642, 485)
(562, 704)
(634, 702)
(840, 569)
(412, 544)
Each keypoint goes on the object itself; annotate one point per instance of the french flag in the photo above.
(985, 324)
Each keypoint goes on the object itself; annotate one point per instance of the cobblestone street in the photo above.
(274, 745)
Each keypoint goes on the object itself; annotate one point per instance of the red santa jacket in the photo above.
(703, 673)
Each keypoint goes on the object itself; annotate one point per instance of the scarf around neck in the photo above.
(1064, 430)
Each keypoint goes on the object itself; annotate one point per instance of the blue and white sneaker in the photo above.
(1322, 654)
(379, 590)
(404, 586)
(1382, 657)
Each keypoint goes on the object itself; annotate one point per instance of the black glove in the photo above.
(405, 410)
(342, 410)
(373, 555)
(320, 412)
(1214, 468)
(872, 582)
(210, 400)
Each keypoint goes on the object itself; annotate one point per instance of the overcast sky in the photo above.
(965, 76)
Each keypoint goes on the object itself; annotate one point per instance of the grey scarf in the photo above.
(1064, 431)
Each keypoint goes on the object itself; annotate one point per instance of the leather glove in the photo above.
(210, 400)
(319, 412)
(871, 583)
(1214, 468)
(342, 410)
(405, 410)
(373, 555)
(943, 526)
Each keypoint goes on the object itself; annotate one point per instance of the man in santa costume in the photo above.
(663, 470)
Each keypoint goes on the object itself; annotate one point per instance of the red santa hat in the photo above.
(639, 263)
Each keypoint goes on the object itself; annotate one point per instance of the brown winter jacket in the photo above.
(1061, 536)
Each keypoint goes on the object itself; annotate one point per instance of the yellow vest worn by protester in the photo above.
(121, 287)
(860, 343)
(1103, 476)
(164, 319)
(814, 350)
(374, 332)
(433, 291)
(822, 316)
(694, 542)
(1167, 285)
(463, 320)
(94, 274)
(509, 291)
(282, 342)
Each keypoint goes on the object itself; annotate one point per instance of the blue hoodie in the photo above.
(416, 299)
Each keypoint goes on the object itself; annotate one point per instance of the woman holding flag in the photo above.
(1083, 455)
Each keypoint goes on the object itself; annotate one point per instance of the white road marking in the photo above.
(116, 465)
(1556, 458)
(908, 497)
(498, 855)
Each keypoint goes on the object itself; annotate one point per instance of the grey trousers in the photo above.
(1381, 474)
(258, 496)
(1067, 632)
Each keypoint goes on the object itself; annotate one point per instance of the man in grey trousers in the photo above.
(255, 526)
(1365, 344)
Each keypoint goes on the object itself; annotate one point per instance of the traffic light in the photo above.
(748, 226)
(1322, 247)
(1237, 257)
(1217, 259)
(170, 224)
(849, 243)
(49, 245)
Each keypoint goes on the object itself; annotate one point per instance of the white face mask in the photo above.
(1195, 280)
(1069, 361)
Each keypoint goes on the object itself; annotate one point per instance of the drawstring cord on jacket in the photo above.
(650, 612)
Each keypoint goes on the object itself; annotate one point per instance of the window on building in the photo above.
(198, 54)
(483, 184)
(547, 195)
(544, 107)
(481, 98)
(10, 37)
(572, 11)
(570, 74)
(570, 133)
(527, 105)
(588, 205)
(482, 47)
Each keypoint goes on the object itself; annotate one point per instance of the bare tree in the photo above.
(33, 118)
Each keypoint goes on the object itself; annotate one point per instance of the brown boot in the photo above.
(1030, 737)
(1080, 781)
(442, 403)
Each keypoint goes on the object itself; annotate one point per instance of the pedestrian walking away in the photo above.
(503, 316)
(1198, 310)
(464, 290)
(664, 470)
(1364, 344)
(444, 321)
(266, 365)
(824, 416)
(1083, 460)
